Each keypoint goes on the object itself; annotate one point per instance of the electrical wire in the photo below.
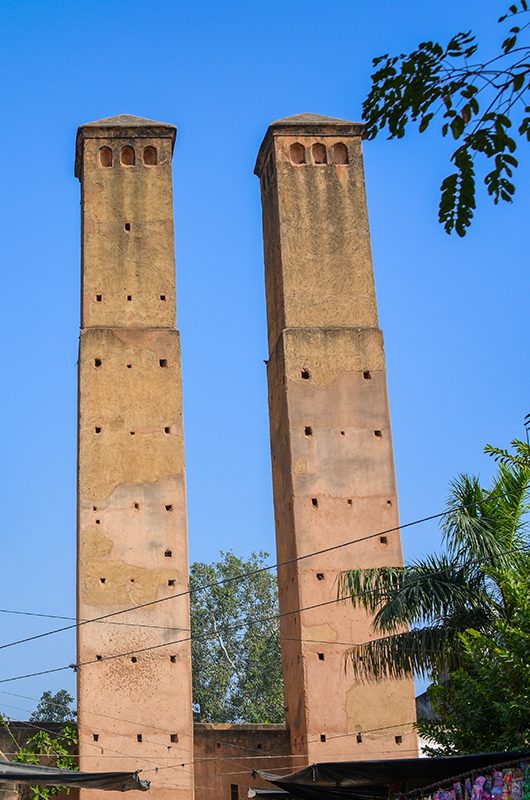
(252, 573)
(255, 756)
(208, 635)
(59, 616)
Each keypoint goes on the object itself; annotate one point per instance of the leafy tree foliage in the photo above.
(485, 707)
(421, 610)
(237, 672)
(482, 103)
(54, 708)
(49, 749)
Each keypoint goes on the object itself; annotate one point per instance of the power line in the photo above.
(253, 757)
(147, 741)
(60, 616)
(252, 573)
(92, 744)
(92, 713)
(150, 648)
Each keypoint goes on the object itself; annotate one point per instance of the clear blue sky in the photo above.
(454, 312)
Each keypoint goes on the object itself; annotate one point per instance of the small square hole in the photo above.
(350, 501)
(308, 430)
(134, 659)
(174, 737)
(378, 433)
(367, 375)
(127, 226)
(97, 362)
(359, 738)
(305, 374)
(132, 433)
(94, 508)
(389, 502)
(314, 502)
(129, 366)
(129, 297)
(97, 429)
(99, 658)
(103, 580)
(383, 539)
(163, 362)
(136, 506)
(138, 737)
(322, 737)
(321, 656)
(173, 659)
(171, 582)
(320, 576)
(98, 522)
(99, 298)
(399, 739)
(168, 553)
(167, 429)
(163, 298)
(95, 737)
(169, 508)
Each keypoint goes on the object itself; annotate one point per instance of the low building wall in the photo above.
(225, 755)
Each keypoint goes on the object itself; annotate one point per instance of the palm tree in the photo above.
(421, 609)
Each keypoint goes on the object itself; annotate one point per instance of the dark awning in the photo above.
(52, 776)
(370, 780)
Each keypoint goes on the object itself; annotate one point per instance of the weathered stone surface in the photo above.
(132, 540)
(333, 470)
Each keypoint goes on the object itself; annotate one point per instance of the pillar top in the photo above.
(122, 126)
(306, 125)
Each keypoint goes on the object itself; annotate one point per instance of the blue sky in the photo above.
(454, 312)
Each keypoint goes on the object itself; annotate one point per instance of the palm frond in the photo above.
(422, 651)
(433, 590)
(521, 457)
(369, 588)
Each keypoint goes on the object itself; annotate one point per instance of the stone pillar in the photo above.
(136, 710)
(332, 460)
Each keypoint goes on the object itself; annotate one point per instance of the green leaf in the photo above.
(518, 81)
(424, 124)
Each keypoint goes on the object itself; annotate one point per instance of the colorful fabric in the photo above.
(507, 784)
(478, 788)
(517, 783)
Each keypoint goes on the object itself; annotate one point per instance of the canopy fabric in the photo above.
(370, 780)
(35, 774)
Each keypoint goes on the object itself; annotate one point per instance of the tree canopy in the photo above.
(481, 102)
(236, 660)
(485, 706)
(54, 708)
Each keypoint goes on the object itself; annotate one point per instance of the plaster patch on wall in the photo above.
(331, 352)
(300, 466)
(321, 633)
(137, 584)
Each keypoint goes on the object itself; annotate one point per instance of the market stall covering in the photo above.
(34, 774)
(372, 780)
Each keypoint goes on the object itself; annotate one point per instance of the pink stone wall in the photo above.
(331, 442)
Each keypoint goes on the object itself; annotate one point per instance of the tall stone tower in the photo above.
(135, 711)
(333, 469)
